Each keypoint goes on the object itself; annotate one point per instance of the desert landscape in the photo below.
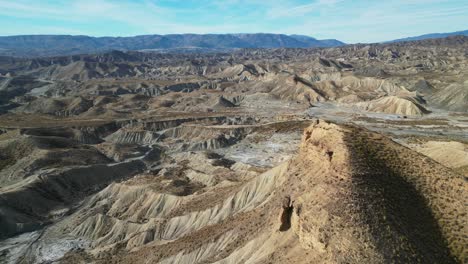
(337, 154)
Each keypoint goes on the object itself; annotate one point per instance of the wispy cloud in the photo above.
(20, 8)
(303, 9)
(348, 20)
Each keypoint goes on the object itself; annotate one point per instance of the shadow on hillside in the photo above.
(402, 225)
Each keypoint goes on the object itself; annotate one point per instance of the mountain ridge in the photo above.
(430, 36)
(53, 45)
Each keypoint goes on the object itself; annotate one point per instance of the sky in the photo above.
(351, 21)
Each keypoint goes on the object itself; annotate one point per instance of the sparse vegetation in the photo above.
(393, 182)
(138, 156)
(5, 162)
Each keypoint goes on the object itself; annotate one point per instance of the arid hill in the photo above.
(353, 154)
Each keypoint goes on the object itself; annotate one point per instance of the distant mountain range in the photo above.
(431, 36)
(59, 45)
(54, 45)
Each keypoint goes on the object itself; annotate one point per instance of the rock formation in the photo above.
(353, 154)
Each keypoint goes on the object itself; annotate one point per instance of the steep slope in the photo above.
(453, 97)
(350, 195)
(394, 105)
(360, 185)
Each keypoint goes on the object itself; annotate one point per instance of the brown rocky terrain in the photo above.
(352, 154)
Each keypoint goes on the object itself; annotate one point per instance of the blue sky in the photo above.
(347, 20)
